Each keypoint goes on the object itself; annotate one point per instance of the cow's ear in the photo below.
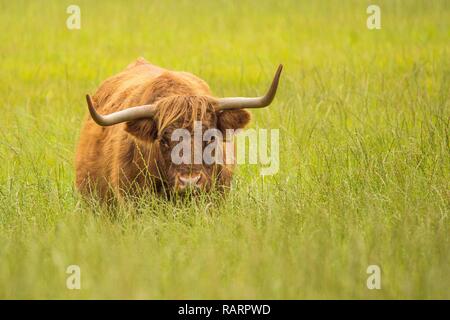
(232, 119)
(144, 129)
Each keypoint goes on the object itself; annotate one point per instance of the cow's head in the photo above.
(158, 124)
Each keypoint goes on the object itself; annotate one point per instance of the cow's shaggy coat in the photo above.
(132, 157)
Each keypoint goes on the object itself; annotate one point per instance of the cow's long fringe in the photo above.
(193, 109)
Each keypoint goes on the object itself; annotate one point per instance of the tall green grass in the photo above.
(364, 157)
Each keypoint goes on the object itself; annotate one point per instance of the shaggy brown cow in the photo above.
(134, 155)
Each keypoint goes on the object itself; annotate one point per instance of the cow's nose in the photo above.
(189, 181)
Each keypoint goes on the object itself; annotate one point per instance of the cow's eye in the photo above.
(164, 142)
(211, 140)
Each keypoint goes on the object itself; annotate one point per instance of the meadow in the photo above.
(364, 154)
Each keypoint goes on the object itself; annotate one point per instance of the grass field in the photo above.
(364, 159)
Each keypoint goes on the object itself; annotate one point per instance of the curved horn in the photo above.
(259, 102)
(134, 113)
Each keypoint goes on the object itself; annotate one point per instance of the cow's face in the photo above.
(182, 132)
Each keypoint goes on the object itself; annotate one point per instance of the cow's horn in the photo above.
(259, 102)
(133, 113)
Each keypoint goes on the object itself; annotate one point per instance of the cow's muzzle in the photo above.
(190, 182)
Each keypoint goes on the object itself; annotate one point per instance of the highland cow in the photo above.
(125, 145)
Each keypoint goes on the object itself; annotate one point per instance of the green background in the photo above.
(364, 158)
